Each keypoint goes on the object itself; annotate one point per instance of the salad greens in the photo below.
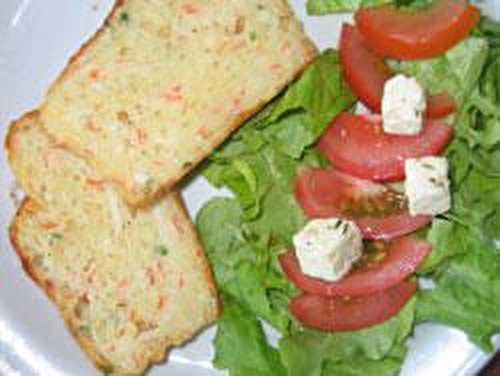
(243, 235)
(322, 7)
(465, 262)
(242, 346)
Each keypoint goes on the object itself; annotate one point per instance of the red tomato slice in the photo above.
(345, 314)
(364, 70)
(366, 73)
(379, 212)
(401, 258)
(358, 145)
(439, 105)
(419, 34)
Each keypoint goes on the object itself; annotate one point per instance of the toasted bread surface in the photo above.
(164, 82)
(129, 283)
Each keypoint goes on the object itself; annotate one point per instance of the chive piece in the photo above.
(252, 36)
(187, 165)
(124, 17)
(162, 250)
(428, 166)
(55, 236)
(345, 228)
(85, 330)
(108, 370)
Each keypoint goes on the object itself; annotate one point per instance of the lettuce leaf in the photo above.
(465, 262)
(447, 239)
(322, 7)
(390, 365)
(244, 267)
(466, 294)
(321, 92)
(242, 346)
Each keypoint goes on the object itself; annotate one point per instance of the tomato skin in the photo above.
(392, 226)
(358, 145)
(403, 256)
(366, 73)
(439, 105)
(337, 314)
(422, 34)
(320, 193)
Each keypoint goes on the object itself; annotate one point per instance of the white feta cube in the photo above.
(427, 186)
(403, 106)
(327, 248)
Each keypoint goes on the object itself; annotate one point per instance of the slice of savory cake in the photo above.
(129, 283)
(164, 82)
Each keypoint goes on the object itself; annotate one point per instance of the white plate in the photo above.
(36, 40)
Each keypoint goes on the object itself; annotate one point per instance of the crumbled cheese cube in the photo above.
(403, 106)
(327, 248)
(427, 185)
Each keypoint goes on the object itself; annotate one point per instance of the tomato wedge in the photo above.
(366, 73)
(401, 258)
(421, 34)
(358, 145)
(364, 70)
(379, 212)
(345, 314)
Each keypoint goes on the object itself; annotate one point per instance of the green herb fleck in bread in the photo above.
(164, 82)
(129, 283)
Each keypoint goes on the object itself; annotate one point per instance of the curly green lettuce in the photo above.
(465, 262)
(323, 7)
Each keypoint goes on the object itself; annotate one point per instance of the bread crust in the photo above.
(27, 208)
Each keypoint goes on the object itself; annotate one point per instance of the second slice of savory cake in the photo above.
(129, 283)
